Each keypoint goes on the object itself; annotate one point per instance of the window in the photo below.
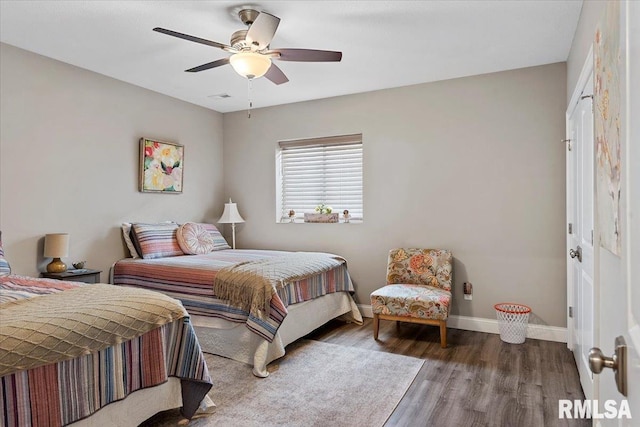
(320, 170)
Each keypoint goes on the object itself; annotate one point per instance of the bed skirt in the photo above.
(235, 341)
(137, 407)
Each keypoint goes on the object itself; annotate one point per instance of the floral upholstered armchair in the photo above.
(418, 289)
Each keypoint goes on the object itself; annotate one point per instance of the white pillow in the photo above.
(126, 234)
(194, 239)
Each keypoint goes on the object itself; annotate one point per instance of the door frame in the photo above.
(587, 70)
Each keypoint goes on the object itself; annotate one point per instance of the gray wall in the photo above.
(69, 159)
(472, 164)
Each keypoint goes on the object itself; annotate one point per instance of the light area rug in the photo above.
(314, 384)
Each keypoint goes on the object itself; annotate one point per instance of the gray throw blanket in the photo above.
(250, 285)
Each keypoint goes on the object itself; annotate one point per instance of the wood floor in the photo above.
(478, 380)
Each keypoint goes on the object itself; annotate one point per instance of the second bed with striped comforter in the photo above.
(191, 278)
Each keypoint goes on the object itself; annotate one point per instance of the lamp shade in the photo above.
(250, 64)
(230, 214)
(56, 245)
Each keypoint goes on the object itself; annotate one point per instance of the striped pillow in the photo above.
(5, 268)
(157, 240)
(219, 243)
(129, 237)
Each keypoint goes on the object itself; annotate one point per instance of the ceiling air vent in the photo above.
(219, 96)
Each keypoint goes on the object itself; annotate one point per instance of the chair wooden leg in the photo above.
(376, 326)
(443, 334)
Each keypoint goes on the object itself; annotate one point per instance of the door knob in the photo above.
(576, 253)
(598, 361)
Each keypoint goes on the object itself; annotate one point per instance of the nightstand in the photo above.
(82, 275)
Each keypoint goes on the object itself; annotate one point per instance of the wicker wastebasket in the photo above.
(513, 320)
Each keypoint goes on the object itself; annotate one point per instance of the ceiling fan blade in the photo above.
(262, 30)
(308, 55)
(276, 75)
(191, 38)
(208, 66)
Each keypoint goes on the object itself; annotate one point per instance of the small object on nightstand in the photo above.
(79, 265)
(78, 275)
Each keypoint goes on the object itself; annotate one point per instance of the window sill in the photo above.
(301, 221)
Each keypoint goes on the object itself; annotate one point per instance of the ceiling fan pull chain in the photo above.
(249, 98)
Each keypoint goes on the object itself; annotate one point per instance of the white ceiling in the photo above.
(384, 43)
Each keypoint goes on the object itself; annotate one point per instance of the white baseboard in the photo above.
(479, 324)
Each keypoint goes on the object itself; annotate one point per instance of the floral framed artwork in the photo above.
(161, 166)
(608, 73)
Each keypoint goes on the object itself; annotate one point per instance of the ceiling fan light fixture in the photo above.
(250, 52)
(250, 64)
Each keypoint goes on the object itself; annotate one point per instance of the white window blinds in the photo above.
(321, 170)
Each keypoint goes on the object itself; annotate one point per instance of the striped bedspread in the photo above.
(16, 288)
(190, 279)
(60, 393)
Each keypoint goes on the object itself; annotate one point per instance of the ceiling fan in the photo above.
(251, 55)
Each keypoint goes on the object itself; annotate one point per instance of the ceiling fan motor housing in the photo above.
(238, 40)
(248, 16)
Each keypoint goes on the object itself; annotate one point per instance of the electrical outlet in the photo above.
(467, 289)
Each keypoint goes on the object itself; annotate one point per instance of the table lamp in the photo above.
(56, 246)
(231, 216)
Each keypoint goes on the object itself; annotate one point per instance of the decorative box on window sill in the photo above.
(324, 218)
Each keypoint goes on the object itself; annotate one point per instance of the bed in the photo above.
(252, 330)
(94, 354)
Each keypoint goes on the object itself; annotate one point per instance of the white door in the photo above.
(632, 258)
(619, 298)
(580, 262)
